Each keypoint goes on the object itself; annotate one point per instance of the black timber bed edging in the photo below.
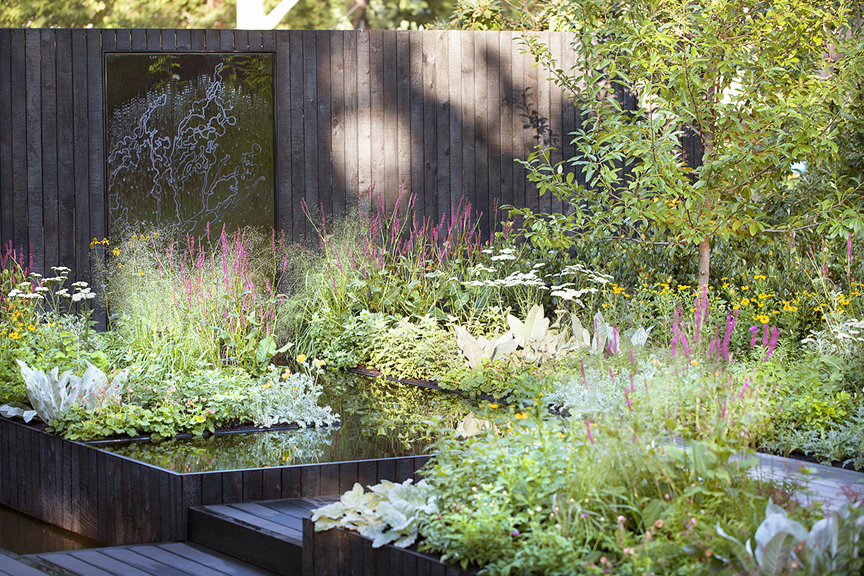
(339, 552)
(119, 501)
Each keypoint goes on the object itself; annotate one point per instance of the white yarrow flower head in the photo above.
(63, 293)
(42, 289)
(503, 257)
(24, 284)
(35, 275)
(60, 269)
(32, 296)
(15, 292)
(79, 284)
(568, 294)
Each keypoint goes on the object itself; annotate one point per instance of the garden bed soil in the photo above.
(339, 552)
(119, 501)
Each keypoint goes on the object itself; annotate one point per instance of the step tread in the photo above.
(253, 522)
(172, 559)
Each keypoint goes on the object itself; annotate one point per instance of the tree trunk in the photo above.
(704, 262)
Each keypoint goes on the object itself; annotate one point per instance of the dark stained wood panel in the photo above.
(32, 87)
(436, 113)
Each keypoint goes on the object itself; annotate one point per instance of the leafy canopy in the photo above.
(756, 81)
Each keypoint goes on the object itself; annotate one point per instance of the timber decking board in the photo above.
(178, 559)
(14, 565)
(215, 560)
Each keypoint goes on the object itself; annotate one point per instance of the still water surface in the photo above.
(379, 419)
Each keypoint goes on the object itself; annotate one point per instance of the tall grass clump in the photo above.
(386, 261)
(211, 300)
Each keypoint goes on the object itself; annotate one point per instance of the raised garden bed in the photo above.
(119, 501)
(339, 552)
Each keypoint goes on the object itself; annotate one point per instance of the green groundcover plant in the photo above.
(202, 361)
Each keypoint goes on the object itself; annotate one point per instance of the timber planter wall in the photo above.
(119, 501)
(339, 552)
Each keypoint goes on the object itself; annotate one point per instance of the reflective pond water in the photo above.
(380, 419)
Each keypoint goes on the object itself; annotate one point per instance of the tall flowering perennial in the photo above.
(223, 291)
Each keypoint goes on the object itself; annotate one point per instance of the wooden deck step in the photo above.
(173, 559)
(268, 533)
(12, 564)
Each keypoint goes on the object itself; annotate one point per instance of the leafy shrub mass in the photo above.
(628, 394)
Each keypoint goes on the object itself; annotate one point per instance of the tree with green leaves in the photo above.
(759, 82)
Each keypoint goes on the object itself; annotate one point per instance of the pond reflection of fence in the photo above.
(440, 114)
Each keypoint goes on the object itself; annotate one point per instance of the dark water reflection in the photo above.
(23, 534)
(380, 419)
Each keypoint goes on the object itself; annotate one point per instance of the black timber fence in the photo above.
(440, 115)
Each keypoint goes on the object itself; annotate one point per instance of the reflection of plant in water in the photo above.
(232, 452)
(380, 420)
(191, 163)
(407, 416)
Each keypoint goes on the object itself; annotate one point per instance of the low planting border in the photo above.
(339, 552)
(119, 501)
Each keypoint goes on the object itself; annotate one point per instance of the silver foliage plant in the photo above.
(389, 513)
(51, 394)
(833, 546)
(289, 398)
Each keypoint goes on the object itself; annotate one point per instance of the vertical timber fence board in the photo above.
(96, 143)
(80, 154)
(403, 112)
(337, 119)
(282, 95)
(430, 126)
(364, 113)
(467, 111)
(454, 70)
(50, 191)
(493, 125)
(376, 109)
(415, 120)
(6, 206)
(65, 153)
(506, 100)
(32, 87)
(481, 128)
(441, 95)
(324, 205)
(310, 119)
(389, 184)
(351, 161)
